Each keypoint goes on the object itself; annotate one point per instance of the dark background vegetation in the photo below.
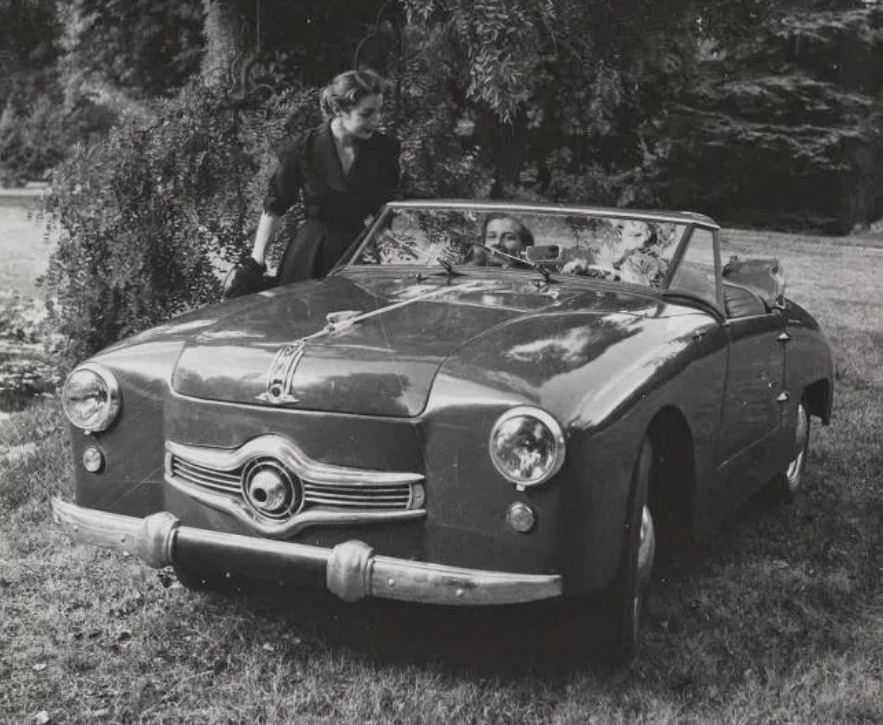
(155, 120)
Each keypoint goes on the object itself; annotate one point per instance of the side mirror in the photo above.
(543, 253)
(765, 277)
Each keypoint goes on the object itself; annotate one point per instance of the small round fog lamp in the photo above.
(521, 517)
(93, 460)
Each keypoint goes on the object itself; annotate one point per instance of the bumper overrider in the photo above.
(350, 570)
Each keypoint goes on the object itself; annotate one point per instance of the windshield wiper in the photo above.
(547, 276)
(449, 268)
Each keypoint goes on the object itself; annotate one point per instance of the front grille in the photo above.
(338, 496)
(227, 481)
(394, 496)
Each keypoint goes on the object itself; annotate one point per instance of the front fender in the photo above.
(683, 372)
(605, 381)
(808, 360)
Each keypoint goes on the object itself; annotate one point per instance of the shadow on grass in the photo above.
(769, 589)
(541, 639)
(550, 640)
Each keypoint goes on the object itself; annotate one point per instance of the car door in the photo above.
(754, 394)
(752, 406)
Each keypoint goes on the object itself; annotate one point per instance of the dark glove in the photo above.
(245, 278)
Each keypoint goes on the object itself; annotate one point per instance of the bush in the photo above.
(27, 352)
(35, 138)
(147, 217)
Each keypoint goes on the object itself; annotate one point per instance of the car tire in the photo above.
(625, 600)
(787, 482)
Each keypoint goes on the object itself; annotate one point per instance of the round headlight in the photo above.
(527, 446)
(91, 397)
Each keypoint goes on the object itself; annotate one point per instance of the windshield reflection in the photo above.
(635, 251)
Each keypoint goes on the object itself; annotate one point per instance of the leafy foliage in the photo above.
(148, 47)
(27, 352)
(35, 138)
(786, 130)
(560, 92)
(29, 46)
(31, 138)
(628, 103)
(147, 217)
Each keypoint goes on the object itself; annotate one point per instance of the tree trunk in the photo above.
(508, 154)
(228, 40)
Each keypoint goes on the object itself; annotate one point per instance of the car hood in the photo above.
(385, 342)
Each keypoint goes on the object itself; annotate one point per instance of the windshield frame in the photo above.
(689, 220)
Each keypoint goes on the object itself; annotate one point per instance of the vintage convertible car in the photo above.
(442, 421)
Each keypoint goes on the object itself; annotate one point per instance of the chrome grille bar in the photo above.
(326, 488)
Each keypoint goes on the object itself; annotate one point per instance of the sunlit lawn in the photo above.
(778, 619)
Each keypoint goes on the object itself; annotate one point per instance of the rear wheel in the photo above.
(625, 600)
(787, 482)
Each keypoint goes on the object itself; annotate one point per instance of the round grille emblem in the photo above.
(271, 490)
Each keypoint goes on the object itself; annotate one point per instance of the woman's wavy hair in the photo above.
(348, 88)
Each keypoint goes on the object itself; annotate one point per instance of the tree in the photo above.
(785, 128)
(145, 47)
(32, 139)
(558, 86)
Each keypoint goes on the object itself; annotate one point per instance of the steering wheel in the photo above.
(606, 269)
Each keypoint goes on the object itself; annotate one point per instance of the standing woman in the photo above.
(345, 169)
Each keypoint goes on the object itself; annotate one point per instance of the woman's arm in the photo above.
(267, 227)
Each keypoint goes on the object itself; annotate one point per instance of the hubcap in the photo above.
(795, 468)
(646, 554)
(646, 548)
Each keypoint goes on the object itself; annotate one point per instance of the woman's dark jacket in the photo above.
(335, 204)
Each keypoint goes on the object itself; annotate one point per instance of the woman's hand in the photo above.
(245, 278)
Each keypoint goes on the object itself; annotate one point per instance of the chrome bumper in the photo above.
(352, 570)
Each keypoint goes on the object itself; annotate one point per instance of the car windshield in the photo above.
(637, 251)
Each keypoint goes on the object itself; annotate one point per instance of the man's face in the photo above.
(505, 235)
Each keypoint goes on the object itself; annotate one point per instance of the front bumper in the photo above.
(351, 570)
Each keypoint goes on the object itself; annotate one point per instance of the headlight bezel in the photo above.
(111, 407)
(552, 426)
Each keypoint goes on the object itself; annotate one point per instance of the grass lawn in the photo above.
(777, 619)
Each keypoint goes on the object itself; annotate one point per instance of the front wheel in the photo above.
(626, 597)
(787, 482)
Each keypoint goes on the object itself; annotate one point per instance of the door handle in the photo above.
(783, 397)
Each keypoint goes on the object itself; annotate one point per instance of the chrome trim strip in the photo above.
(281, 373)
(151, 538)
(679, 217)
(296, 523)
(352, 570)
(417, 581)
(283, 449)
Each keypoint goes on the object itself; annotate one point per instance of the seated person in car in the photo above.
(506, 234)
